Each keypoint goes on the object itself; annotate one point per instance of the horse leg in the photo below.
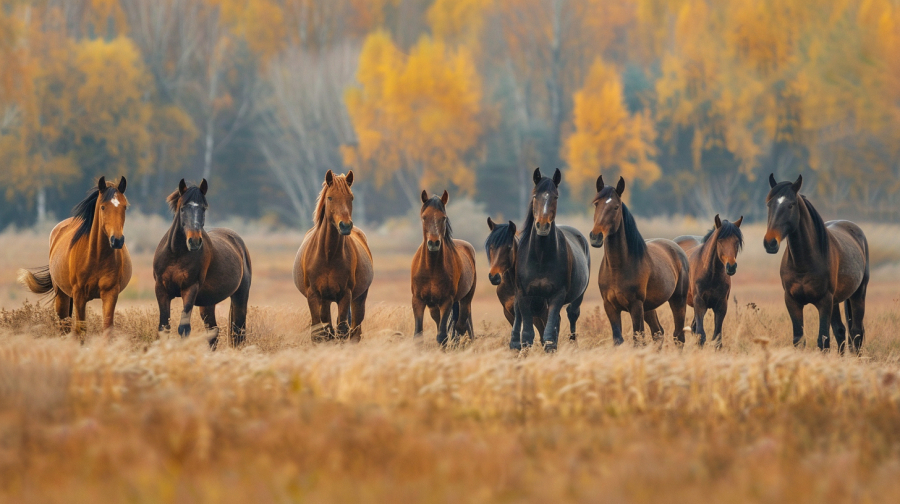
(550, 336)
(343, 327)
(464, 324)
(208, 316)
(837, 327)
(573, 311)
(446, 312)
(720, 311)
(515, 340)
(679, 312)
(699, 314)
(79, 302)
(109, 299)
(825, 306)
(418, 307)
(856, 310)
(325, 318)
(795, 310)
(188, 295)
(526, 319)
(164, 302)
(319, 332)
(63, 310)
(636, 310)
(651, 318)
(237, 316)
(615, 322)
(357, 315)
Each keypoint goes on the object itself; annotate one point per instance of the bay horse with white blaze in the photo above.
(501, 247)
(88, 257)
(553, 267)
(825, 263)
(636, 276)
(713, 261)
(443, 274)
(201, 267)
(334, 264)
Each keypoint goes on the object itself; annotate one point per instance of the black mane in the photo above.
(85, 210)
(637, 247)
(786, 189)
(727, 230)
(500, 236)
(545, 185)
(437, 204)
(191, 195)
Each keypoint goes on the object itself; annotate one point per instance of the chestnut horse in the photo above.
(713, 261)
(334, 264)
(501, 247)
(443, 274)
(553, 267)
(202, 268)
(636, 276)
(825, 263)
(88, 257)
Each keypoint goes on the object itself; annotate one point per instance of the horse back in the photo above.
(229, 264)
(852, 254)
(688, 243)
(579, 261)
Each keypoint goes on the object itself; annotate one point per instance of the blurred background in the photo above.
(695, 102)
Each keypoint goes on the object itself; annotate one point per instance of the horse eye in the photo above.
(102, 207)
(329, 198)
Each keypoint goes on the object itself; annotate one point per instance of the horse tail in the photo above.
(848, 314)
(36, 279)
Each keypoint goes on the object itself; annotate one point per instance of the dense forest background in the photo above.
(693, 101)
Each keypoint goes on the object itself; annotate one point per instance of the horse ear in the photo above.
(445, 197)
(424, 196)
(557, 177)
(737, 223)
(204, 186)
(772, 181)
(620, 187)
(182, 187)
(122, 184)
(600, 184)
(490, 224)
(796, 185)
(101, 184)
(329, 178)
(718, 222)
(537, 176)
(349, 178)
(512, 227)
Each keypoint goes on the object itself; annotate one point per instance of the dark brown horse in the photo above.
(553, 268)
(202, 268)
(825, 263)
(636, 276)
(501, 248)
(334, 264)
(88, 257)
(713, 260)
(443, 274)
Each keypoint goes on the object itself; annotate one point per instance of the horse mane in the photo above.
(500, 236)
(437, 204)
(191, 195)
(637, 247)
(818, 225)
(546, 184)
(339, 183)
(727, 230)
(85, 210)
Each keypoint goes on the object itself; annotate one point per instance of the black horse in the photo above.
(552, 268)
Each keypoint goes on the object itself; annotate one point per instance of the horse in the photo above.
(713, 261)
(334, 263)
(443, 274)
(636, 276)
(201, 267)
(553, 267)
(501, 247)
(825, 263)
(88, 257)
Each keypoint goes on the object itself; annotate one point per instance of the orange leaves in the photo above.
(607, 136)
(416, 114)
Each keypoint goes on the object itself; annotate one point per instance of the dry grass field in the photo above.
(137, 419)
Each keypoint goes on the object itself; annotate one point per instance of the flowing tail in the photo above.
(37, 279)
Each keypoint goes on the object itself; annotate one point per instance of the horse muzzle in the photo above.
(433, 245)
(194, 244)
(542, 228)
(495, 278)
(731, 269)
(117, 243)
(345, 227)
(771, 245)
(596, 240)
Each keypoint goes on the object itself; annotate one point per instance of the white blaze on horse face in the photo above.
(781, 200)
(115, 201)
(607, 201)
(194, 204)
(546, 203)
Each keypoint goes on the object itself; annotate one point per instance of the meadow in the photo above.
(141, 419)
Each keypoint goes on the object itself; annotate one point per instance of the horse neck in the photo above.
(439, 260)
(803, 245)
(96, 240)
(544, 247)
(710, 258)
(617, 252)
(329, 242)
(176, 238)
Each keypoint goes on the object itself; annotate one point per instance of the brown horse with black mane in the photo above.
(443, 274)
(334, 264)
(502, 247)
(713, 260)
(202, 268)
(88, 257)
(636, 276)
(825, 263)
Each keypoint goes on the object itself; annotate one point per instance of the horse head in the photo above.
(112, 204)
(607, 211)
(500, 247)
(189, 205)
(784, 211)
(544, 199)
(338, 201)
(435, 223)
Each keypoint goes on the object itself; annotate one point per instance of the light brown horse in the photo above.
(713, 260)
(88, 257)
(202, 268)
(636, 276)
(443, 273)
(825, 263)
(334, 264)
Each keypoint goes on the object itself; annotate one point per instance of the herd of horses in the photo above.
(538, 269)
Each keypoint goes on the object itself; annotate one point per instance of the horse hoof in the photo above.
(550, 347)
(184, 330)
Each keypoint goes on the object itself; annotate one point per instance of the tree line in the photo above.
(695, 101)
